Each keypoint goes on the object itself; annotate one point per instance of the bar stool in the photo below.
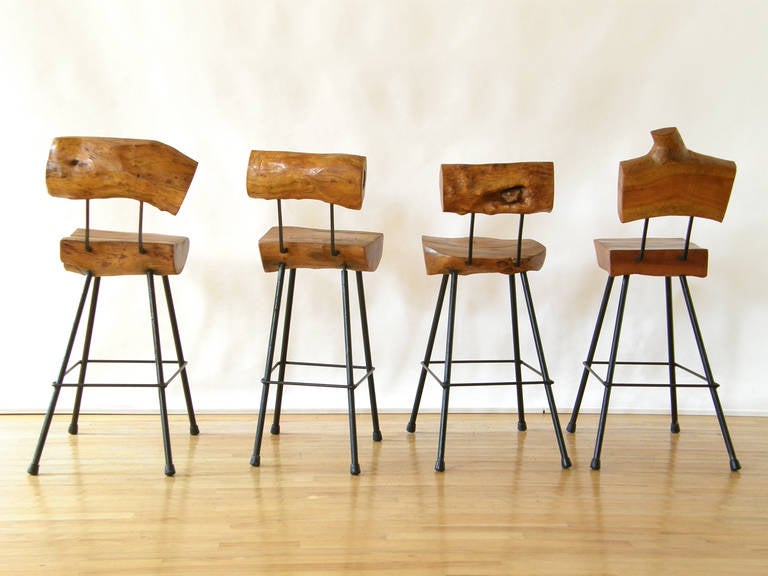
(336, 179)
(517, 188)
(670, 180)
(141, 170)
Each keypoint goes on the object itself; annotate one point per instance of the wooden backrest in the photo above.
(332, 178)
(144, 170)
(516, 188)
(671, 180)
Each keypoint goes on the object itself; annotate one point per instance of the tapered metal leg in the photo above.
(193, 429)
(84, 358)
(521, 425)
(368, 361)
(674, 424)
(595, 464)
(440, 462)
(734, 462)
(428, 354)
(354, 467)
(256, 455)
(283, 352)
(34, 467)
(170, 470)
(571, 427)
(565, 461)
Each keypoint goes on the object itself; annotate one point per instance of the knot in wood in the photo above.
(513, 195)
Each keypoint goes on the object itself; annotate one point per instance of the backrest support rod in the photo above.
(471, 238)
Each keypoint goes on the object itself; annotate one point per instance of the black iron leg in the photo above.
(283, 353)
(256, 456)
(571, 427)
(354, 467)
(34, 467)
(521, 425)
(368, 361)
(170, 470)
(595, 464)
(440, 463)
(428, 354)
(84, 358)
(565, 461)
(675, 424)
(193, 429)
(735, 465)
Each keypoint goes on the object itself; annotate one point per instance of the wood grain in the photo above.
(663, 503)
(663, 257)
(311, 248)
(671, 180)
(332, 178)
(117, 253)
(489, 255)
(518, 188)
(82, 168)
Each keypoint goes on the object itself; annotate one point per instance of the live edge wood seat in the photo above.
(669, 180)
(489, 255)
(661, 257)
(335, 179)
(311, 248)
(117, 253)
(94, 168)
(510, 188)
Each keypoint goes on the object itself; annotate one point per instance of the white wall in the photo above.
(409, 84)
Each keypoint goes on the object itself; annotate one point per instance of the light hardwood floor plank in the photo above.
(662, 504)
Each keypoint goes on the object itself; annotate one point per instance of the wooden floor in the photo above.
(662, 504)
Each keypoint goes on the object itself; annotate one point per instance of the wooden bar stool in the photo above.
(668, 181)
(336, 179)
(519, 188)
(142, 170)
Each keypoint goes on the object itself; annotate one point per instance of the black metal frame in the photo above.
(350, 384)
(446, 381)
(161, 382)
(707, 379)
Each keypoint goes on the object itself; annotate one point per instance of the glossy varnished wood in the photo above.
(311, 248)
(663, 504)
(517, 188)
(117, 253)
(83, 168)
(662, 257)
(331, 178)
(671, 180)
(489, 255)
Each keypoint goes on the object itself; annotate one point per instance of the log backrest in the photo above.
(85, 168)
(337, 179)
(671, 180)
(512, 188)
